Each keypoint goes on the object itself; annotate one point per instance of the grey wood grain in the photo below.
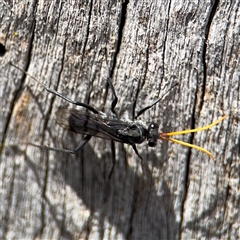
(144, 47)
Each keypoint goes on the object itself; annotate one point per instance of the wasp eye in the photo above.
(153, 126)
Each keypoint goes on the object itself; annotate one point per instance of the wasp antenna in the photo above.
(187, 145)
(196, 129)
(165, 136)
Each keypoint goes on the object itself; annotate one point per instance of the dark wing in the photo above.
(89, 124)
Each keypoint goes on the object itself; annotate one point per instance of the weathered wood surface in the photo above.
(145, 47)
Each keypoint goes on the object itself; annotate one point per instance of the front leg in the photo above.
(136, 151)
(140, 112)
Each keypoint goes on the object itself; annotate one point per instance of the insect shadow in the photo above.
(95, 123)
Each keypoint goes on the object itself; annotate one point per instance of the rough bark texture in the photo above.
(144, 47)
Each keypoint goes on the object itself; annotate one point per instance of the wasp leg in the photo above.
(115, 100)
(57, 93)
(136, 151)
(89, 107)
(113, 159)
(74, 151)
(140, 112)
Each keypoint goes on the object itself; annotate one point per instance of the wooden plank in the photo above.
(145, 48)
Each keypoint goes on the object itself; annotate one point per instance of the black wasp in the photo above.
(125, 131)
